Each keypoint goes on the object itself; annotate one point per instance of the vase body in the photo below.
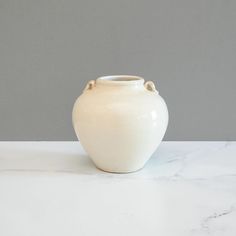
(120, 121)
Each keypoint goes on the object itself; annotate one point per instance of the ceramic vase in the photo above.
(120, 121)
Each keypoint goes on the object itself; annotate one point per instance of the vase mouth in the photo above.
(120, 80)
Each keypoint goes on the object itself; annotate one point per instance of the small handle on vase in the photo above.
(150, 86)
(90, 85)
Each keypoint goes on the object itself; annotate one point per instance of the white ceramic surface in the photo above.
(120, 121)
(52, 188)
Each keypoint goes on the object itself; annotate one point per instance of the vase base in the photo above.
(119, 171)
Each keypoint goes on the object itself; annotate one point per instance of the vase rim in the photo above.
(120, 80)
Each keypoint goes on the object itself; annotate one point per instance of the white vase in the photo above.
(120, 121)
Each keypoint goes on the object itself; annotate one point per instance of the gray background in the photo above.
(50, 48)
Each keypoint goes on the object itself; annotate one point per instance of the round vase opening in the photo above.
(120, 79)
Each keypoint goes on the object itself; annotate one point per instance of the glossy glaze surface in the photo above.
(120, 121)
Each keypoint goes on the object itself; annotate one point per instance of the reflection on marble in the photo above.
(52, 188)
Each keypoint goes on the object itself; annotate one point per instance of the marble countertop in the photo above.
(52, 188)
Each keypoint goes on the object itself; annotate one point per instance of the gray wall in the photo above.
(50, 48)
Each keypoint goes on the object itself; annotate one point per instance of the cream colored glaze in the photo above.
(120, 121)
